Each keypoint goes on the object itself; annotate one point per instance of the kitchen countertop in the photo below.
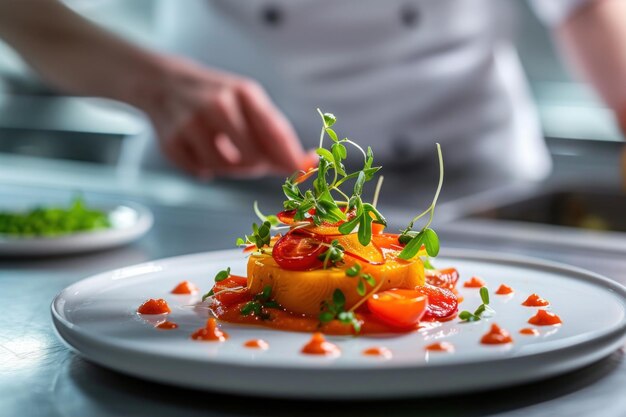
(39, 376)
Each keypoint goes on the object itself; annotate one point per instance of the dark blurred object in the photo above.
(600, 210)
(77, 146)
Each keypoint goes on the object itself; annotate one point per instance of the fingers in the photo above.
(270, 130)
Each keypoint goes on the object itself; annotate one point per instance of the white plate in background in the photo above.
(97, 318)
(129, 221)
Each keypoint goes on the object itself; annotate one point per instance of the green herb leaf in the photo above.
(207, 295)
(360, 288)
(339, 299)
(354, 270)
(222, 275)
(329, 119)
(484, 295)
(412, 248)
(431, 242)
(326, 317)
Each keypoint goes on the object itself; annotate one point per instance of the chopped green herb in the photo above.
(262, 301)
(481, 310)
(336, 310)
(333, 255)
(54, 221)
(222, 275)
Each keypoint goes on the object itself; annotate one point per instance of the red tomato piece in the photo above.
(444, 278)
(398, 307)
(297, 252)
(442, 303)
(231, 298)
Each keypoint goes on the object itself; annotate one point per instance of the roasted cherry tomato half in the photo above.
(297, 252)
(444, 278)
(398, 307)
(442, 303)
(231, 298)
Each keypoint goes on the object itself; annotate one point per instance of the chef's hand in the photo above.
(212, 123)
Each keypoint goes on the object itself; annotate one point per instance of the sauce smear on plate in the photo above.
(167, 325)
(440, 347)
(257, 344)
(535, 300)
(504, 290)
(318, 345)
(210, 332)
(185, 287)
(152, 306)
(545, 318)
(378, 351)
(474, 282)
(496, 336)
(529, 332)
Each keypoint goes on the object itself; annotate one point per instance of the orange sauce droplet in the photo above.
(504, 290)
(378, 351)
(257, 344)
(440, 347)
(534, 300)
(210, 332)
(185, 287)
(167, 325)
(152, 306)
(474, 282)
(318, 345)
(496, 336)
(529, 332)
(545, 318)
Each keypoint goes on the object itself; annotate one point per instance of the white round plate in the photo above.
(97, 318)
(129, 221)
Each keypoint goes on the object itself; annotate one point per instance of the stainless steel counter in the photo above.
(40, 377)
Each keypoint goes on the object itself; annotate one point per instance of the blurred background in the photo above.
(47, 139)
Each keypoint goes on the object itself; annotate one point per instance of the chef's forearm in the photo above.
(594, 39)
(73, 54)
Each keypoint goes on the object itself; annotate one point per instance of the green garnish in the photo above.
(261, 236)
(336, 310)
(261, 302)
(427, 264)
(484, 307)
(426, 236)
(333, 255)
(220, 276)
(54, 221)
(320, 197)
(272, 219)
(355, 271)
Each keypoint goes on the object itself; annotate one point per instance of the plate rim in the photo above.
(614, 333)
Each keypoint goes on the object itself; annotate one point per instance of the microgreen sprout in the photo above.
(259, 304)
(426, 236)
(333, 255)
(363, 278)
(318, 203)
(481, 310)
(336, 310)
(261, 235)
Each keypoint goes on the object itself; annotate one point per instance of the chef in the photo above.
(234, 89)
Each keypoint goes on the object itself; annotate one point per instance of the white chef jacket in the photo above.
(399, 74)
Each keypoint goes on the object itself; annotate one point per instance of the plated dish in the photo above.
(324, 302)
(52, 230)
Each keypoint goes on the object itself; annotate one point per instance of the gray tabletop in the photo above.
(39, 376)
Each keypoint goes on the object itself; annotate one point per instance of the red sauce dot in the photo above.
(496, 336)
(210, 333)
(378, 351)
(256, 344)
(440, 347)
(167, 325)
(153, 306)
(318, 345)
(504, 290)
(545, 318)
(534, 300)
(529, 332)
(185, 287)
(474, 282)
